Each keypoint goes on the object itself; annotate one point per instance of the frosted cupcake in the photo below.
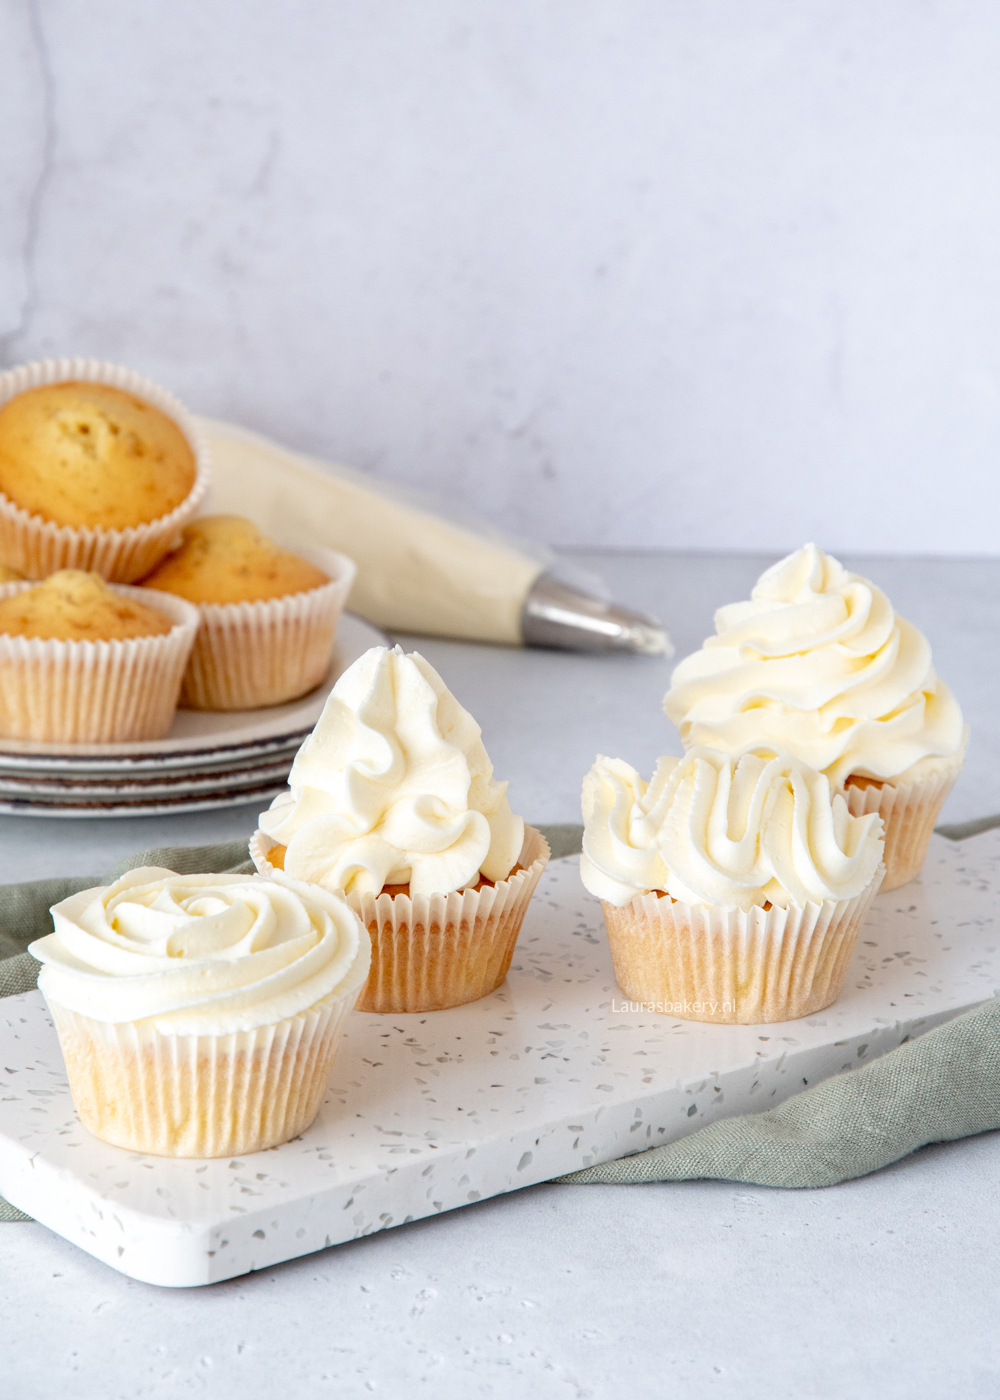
(818, 664)
(733, 890)
(268, 617)
(86, 662)
(199, 1015)
(392, 803)
(99, 469)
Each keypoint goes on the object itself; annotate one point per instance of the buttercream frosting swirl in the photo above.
(394, 786)
(201, 954)
(714, 830)
(818, 664)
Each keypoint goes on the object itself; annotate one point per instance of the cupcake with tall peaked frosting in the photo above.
(819, 664)
(393, 804)
(733, 889)
(199, 1015)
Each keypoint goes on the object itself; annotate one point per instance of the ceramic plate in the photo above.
(200, 738)
(49, 789)
(148, 807)
(206, 760)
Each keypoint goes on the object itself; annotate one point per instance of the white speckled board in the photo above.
(429, 1112)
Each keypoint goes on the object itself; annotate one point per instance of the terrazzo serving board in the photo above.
(429, 1112)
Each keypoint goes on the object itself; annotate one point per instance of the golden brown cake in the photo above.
(86, 662)
(226, 559)
(268, 618)
(72, 606)
(9, 575)
(90, 455)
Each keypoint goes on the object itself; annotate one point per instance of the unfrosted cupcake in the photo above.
(99, 469)
(818, 664)
(199, 1015)
(393, 804)
(733, 890)
(83, 661)
(268, 617)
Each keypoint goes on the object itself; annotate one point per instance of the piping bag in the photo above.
(420, 571)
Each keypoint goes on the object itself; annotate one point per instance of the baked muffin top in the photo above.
(226, 559)
(87, 455)
(72, 606)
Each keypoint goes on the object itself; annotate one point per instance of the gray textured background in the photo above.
(714, 275)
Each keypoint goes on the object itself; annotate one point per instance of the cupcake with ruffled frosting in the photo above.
(733, 889)
(393, 804)
(819, 664)
(199, 1015)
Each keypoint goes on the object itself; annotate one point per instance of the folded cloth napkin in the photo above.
(943, 1086)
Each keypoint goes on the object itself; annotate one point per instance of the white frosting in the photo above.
(710, 829)
(817, 664)
(201, 954)
(394, 786)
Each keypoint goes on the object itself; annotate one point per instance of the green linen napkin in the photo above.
(943, 1086)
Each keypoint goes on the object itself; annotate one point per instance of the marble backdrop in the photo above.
(617, 272)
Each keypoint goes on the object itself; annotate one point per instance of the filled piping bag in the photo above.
(419, 571)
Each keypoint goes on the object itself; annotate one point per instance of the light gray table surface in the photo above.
(883, 1287)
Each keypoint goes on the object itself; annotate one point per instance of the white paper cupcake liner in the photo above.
(702, 963)
(247, 655)
(434, 951)
(39, 547)
(95, 692)
(200, 1095)
(909, 811)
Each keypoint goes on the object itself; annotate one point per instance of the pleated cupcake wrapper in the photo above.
(251, 654)
(910, 812)
(430, 952)
(38, 547)
(730, 967)
(200, 1095)
(95, 692)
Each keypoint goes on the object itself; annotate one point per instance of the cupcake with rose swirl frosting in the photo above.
(199, 1015)
(733, 889)
(392, 804)
(819, 664)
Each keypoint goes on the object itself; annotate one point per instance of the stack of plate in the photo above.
(206, 760)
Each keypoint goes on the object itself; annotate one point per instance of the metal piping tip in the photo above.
(556, 614)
